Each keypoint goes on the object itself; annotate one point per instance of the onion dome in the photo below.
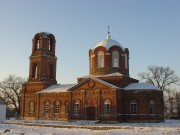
(108, 43)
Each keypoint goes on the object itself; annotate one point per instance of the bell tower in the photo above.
(43, 60)
(42, 65)
(42, 71)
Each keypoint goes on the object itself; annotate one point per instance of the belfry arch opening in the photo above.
(36, 43)
(51, 42)
(50, 46)
(34, 71)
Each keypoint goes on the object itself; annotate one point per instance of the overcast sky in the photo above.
(149, 29)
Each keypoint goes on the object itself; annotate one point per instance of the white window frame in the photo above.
(115, 59)
(133, 107)
(100, 59)
(47, 107)
(107, 107)
(76, 107)
(56, 107)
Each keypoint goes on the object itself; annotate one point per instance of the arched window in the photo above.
(126, 60)
(46, 107)
(31, 107)
(56, 107)
(107, 105)
(34, 71)
(115, 59)
(76, 107)
(66, 106)
(133, 107)
(152, 107)
(51, 71)
(100, 59)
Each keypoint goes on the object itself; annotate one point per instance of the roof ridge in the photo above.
(96, 79)
(105, 82)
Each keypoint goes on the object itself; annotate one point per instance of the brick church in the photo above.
(108, 93)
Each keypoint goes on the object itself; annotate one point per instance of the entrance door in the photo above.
(91, 113)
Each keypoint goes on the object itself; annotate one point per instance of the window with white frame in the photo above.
(47, 107)
(115, 59)
(107, 105)
(133, 107)
(100, 59)
(56, 107)
(76, 107)
(152, 107)
(31, 107)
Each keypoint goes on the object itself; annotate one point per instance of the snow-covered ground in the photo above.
(19, 127)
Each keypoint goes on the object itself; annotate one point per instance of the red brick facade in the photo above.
(100, 96)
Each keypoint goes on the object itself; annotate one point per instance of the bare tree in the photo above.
(162, 77)
(165, 79)
(172, 104)
(10, 89)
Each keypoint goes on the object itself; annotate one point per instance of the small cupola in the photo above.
(108, 43)
(43, 42)
(109, 56)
